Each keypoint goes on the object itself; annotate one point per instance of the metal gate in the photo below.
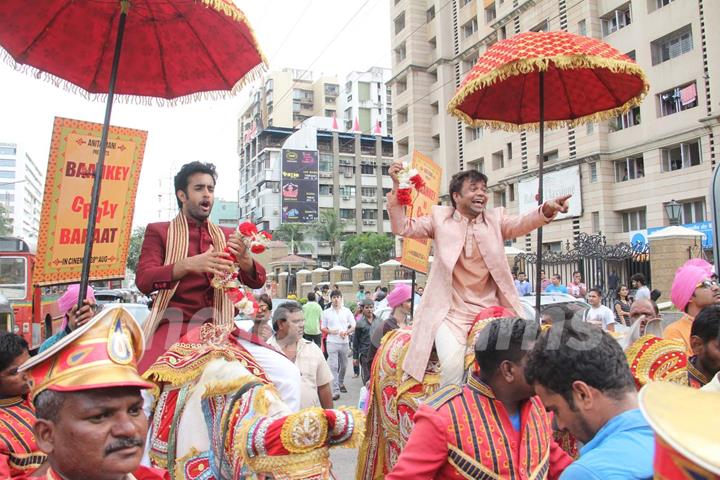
(601, 265)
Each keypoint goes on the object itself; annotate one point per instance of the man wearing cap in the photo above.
(362, 340)
(72, 317)
(86, 391)
(469, 273)
(692, 290)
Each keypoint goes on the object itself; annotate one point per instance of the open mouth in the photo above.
(205, 205)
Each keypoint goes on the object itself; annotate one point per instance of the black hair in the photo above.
(596, 290)
(311, 296)
(183, 176)
(11, 347)
(557, 275)
(521, 272)
(384, 289)
(335, 293)
(326, 287)
(282, 312)
(638, 277)
(503, 339)
(706, 325)
(620, 287)
(457, 181)
(361, 287)
(655, 294)
(265, 298)
(577, 271)
(567, 353)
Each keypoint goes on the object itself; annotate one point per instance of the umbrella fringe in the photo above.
(250, 77)
(232, 11)
(562, 62)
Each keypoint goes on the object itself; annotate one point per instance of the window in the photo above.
(616, 19)
(433, 43)
(550, 156)
(672, 45)
(478, 165)
(400, 53)
(435, 108)
(692, 211)
(399, 23)
(369, 214)
(593, 172)
(433, 76)
(508, 147)
(326, 189)
(499, 199)
(589, 128)
(464, 2)
(7, 174)
(540, 27)
(595, 222)
(402, 149)
(401, 86)
(626, 120)
(5, 150)
(582, 28)
(402, 116)
(490, 13)
(369, 191)
(633, 220)
(473, 134)
(367, 169)
(436, 141)
(14, 273)
(681, 156)
(662, 3)
(347, 213)
(629, 169)
(347, 191)
(332, 89)
(7, 162)
(430, 13)
(497, 160)
(631, 54)
(511, 192)
(678, 99)
(470, 27)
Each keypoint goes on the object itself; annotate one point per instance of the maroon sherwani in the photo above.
(193, 300)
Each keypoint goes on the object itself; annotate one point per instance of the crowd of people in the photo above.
(105, 397)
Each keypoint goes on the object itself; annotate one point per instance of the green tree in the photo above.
(330, 228)
(6, 224)
(136, 241)
(370, 248)
(294, 235)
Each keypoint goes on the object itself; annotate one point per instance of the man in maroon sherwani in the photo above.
(191, 304)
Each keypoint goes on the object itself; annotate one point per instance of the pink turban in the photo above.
(70, 297)
(401, 293)
(686, 278)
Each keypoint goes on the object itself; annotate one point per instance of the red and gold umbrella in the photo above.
(161, 50)
(552, 79)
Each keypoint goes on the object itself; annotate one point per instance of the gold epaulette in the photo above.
(440, 397)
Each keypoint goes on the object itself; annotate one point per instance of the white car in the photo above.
(558, 306)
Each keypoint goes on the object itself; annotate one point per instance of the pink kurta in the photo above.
(464, 285)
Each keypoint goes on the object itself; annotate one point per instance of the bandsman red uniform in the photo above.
(19, 454)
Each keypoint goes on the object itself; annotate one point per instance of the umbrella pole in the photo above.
(541, 161)
(85, 276)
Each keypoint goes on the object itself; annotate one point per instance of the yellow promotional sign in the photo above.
(416, 253)
(66, 202)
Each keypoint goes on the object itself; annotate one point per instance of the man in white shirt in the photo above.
(288, 322)
(338, 324)
(599, 314)
(638, 281)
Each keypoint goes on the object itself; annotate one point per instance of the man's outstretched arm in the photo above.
(418, 227)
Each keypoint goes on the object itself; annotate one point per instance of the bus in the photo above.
(36, 312)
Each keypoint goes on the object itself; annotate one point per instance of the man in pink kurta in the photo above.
(469, 272)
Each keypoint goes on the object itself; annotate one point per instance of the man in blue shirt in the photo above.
(582, 376)
(522, 285)
(555, 285)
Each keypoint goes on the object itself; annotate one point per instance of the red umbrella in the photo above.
(586, 81)
(172, 50)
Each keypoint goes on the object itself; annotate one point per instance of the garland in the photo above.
(409, 179)
(239, 295)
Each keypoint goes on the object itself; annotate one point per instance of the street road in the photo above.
(344, 460)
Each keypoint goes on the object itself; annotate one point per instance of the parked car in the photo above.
(556, 306)
(111, 296)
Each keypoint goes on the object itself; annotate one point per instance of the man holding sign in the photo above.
(469, 273)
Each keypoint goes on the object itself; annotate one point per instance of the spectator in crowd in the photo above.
(613, 281)
(577, 288)
(72, 316)
(522, 284)
(397, 315)
(544, 281)
(704, 364)
(622, 305)
(315, 375)
(338, 324)
(325, 292)
(583, 378)
(261, 322)
(360, 295)
(381, 303)
(599, 314)
(692, 290)
(362, 338)
(556, 285)
(318, 297)
(312, 311)
(640, 285)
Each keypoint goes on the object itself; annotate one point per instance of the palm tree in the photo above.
(330, 228)
(294, 234)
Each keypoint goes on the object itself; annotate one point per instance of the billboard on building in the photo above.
(299, 186)
(555, 184)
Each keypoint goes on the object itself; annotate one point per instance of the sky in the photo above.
(325, 36)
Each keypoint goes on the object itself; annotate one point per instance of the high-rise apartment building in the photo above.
(368, 100)
(627, 168)
(353, 180)
(21, 190)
